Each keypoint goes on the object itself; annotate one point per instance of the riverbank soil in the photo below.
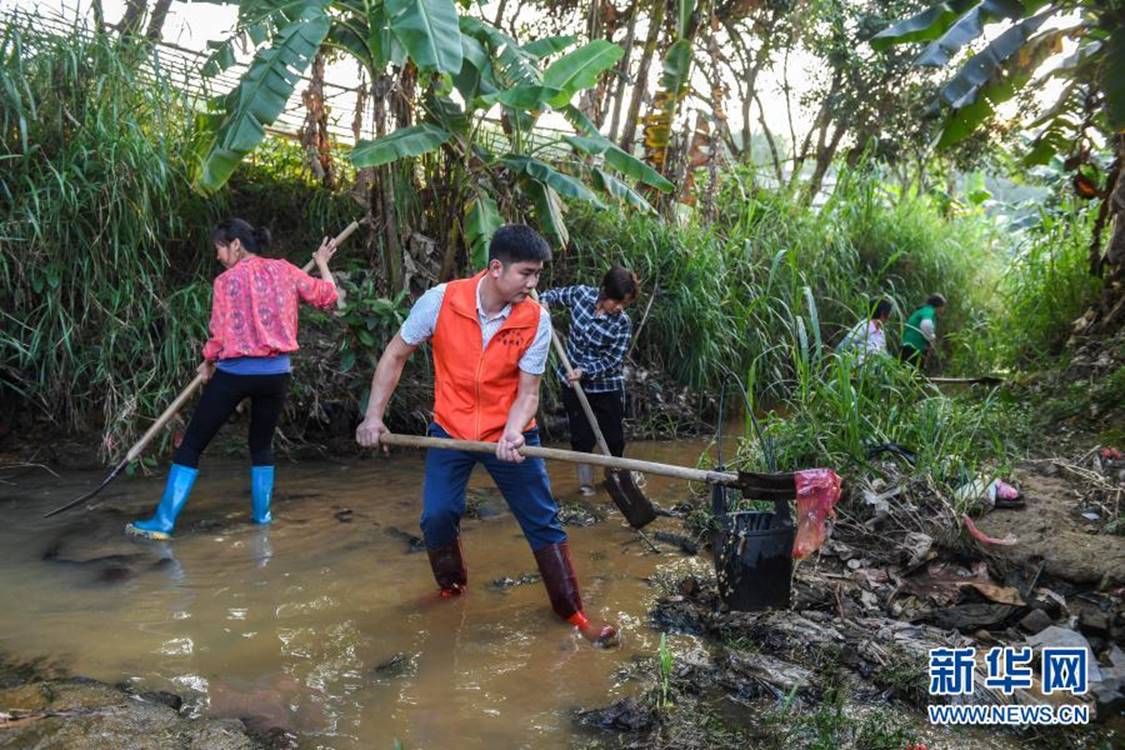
(41, 706)
(847, 666)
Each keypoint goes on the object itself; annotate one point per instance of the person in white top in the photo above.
(867, 336)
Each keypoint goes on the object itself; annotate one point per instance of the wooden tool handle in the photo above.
(185, 394)
(163, 419)
(574, 457)
(560, 350)
(339, 238)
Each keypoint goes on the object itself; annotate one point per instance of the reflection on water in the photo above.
(326, 623)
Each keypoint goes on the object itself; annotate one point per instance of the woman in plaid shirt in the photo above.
(596, 345)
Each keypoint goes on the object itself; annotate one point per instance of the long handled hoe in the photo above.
(170, 412)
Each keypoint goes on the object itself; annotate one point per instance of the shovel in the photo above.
(622, 488)
(170, 412)
(753, 485)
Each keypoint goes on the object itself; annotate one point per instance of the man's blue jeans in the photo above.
(525, 487)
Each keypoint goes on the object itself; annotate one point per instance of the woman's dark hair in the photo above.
(619, 284)
(935, 300)
(253, 240)
(518, 243)
(881, 309)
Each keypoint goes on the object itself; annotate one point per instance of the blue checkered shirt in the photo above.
(596, 343)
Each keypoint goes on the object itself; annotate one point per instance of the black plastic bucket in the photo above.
(753, 553)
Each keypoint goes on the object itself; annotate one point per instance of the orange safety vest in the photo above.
(474, 389)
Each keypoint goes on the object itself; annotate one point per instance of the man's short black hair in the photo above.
(518, 243)
(935, 300)
(881, 309)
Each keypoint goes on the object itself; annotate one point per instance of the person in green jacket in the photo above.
(921, 330)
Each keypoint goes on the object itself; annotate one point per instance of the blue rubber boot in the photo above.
(261, 492)
(176, 491)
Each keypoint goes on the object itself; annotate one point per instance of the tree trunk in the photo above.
(156, 23)
(500, 13)
(776, 157)
(622, 72)
(820, 128)
(382, 193)
(640, 83)
(1106, 211)
(826, 152)
(99, 16)
(720, 121)
(130, 23)
(314, 131)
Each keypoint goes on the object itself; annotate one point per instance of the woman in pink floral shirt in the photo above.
(253, 330)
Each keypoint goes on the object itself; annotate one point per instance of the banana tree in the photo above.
(467, 70)
(675, 81)
(1090, 108)
(1007, 63)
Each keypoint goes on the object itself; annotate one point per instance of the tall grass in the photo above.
(95, 206)
(769, 274)
(105, 263)
(844, 410)
(1046, 286)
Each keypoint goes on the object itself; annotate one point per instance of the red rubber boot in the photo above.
(562, 590)
(449, 568)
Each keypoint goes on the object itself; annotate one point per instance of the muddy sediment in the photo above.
(847, 665)
(41, 707)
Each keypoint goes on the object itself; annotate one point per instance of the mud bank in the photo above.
(43, 707)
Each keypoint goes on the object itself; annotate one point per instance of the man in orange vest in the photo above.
(490, 344)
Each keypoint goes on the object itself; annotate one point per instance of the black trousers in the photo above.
(609, 408)
(221, 396)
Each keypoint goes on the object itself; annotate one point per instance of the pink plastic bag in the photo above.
(983, 538)
(818, 491)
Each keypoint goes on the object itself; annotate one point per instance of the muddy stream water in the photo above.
(325, 623)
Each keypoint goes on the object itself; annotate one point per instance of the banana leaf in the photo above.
(258, 99)
(401, 144)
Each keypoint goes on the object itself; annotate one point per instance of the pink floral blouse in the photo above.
(254, 308)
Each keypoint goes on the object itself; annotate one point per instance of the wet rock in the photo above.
(1110, 701)
(504, 583)
(690, 586)
(275, 701)
(115, 574)
(686, 544)
(414, 543)
(580, 514)
(106, 569)
(968, 617)
(79, 713)
(276, 738)
(1092, 621)
(1035, 621)
(1048, 469)
(681, 509)
(485, 504)
(1109, 692)
(626, 715)
(677, 615)
(401, 664)
(164, 698)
